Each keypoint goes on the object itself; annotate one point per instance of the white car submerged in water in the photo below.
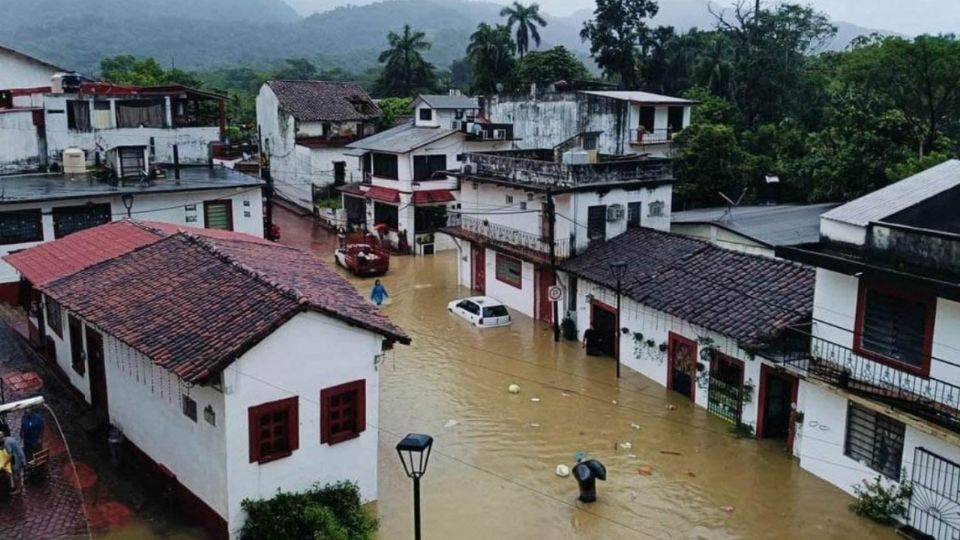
(481, 311)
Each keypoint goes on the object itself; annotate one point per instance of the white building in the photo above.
(629, 122)
(39, 208)
(207, 352)
(691, 317)
(503, 227)
(304, 126)
(21, 71)
(880, 394)
(405, 185)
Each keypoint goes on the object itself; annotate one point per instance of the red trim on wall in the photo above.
(30, 91)
(358, 386)
(765, 373)
(596, 304)
(931, 315)
(673, 338)
(293, 428)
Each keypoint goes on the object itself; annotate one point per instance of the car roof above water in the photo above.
(484, 300)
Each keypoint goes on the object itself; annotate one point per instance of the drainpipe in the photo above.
(176, 163)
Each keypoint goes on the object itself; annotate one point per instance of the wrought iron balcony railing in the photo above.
(516, 238)
(926, 397)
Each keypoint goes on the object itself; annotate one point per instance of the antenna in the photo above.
(728, 213)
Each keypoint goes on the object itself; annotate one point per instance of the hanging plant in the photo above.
(746, 391)
(663, 347)
(651, 343)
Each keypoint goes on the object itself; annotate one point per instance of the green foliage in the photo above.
(405, 72)
(391, 109)
(709, 160)
(617, 30)
(332, 512)
(491, 55)
(526, 19)
(127, 69)
(881, 501)
(569, 329)
(552, 65)
(742, 431)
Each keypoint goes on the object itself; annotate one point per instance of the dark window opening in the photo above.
(77, 356)
(634, 215)
(572, 293)
(647, 115)
(385, 166)
(426, 115)
(425, 166)
(21, 226)
(590, 142)
(136, 113)
(896, 326)
(386, 214)
(273, 430)
(874, 440)
(78, 115)
(6, 99)
(189, 407)
(510, 271)
(54, 316)
(674, 119)
(218, 215)
(428, 219)
(343, 412)
(70, 219)
(132, 161)
(597, 223)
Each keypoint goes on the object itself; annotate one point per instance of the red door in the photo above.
(544, 305)
(479, 258)
(682, 365)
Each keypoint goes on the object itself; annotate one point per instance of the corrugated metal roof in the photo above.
(908, 192)
(400, 139)
(444, 101)
(774, 225)
(639, 97)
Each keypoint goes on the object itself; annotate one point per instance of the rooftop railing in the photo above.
(503, 235)
(525, 167)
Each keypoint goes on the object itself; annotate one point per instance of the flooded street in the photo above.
(491, 474)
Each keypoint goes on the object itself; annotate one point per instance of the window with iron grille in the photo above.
(273, 430)
(21, 226)
(510, 271)
(424, 167)
(189, 407)
(54, 316)
(343, 412)
(874, 440)
(385, 166)
(896, 326)
(70, 219)
(426, 114)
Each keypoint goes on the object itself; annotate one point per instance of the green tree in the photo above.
(461, 74)
(127, 69)
(392, 109)
(709, 161)
(405, 72)
(491, 55)
(617, 30)
(332, 512)
(526, 18)
(713, 67)
(296, 69)
(552, 65)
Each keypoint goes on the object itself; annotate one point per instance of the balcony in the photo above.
(522, 244)
(539, 168)
(932, 399)
(643, 137)
(477, 131)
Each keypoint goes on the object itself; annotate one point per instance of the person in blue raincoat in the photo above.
(379, 293)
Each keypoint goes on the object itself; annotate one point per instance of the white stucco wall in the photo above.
(722, 237)
(19, 72)
(846, 233)
(163, 207)
(307, 354)
(518, 299)
(19, 144)
(63, 353)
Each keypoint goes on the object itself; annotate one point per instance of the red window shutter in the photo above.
(324, 414)
(293, 433)
(359, 387)
(254, 434)
(361, 405)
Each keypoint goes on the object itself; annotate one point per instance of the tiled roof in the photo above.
(747, 297)
(52, 260)
(194, 304)
(316, 101)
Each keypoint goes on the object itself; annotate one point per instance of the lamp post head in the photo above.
(414, 452)
(619, 270)
(127, 200)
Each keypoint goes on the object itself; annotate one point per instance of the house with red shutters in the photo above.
(233, 366)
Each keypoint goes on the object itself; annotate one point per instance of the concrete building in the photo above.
(407, 186)
(629, 122)
(753, 229)
(21, 71)
(505, 228)
(40, 208)
(206, 351)
(691, 316)
(880, 373)
(304, 126)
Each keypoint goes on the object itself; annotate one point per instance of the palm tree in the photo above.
(405, 72)
(526, 18)
(490, 52)
(714, 68)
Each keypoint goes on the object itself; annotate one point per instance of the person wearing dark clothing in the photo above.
(31, 433)
(591, 342)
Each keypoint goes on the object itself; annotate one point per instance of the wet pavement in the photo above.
(492, 475)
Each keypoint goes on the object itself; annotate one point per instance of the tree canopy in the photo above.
(491, 55)
(526, 19)
(127, 69)
(405, 72)
(617, 33)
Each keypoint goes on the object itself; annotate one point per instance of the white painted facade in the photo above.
(212, 459)
(20, 141)
(180, 208)
(18, 70)
(722, 237)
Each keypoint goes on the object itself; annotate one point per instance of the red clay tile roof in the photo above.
(317, 101)
(194, 304)
(52, 260)
(747, 297)
(433, 196)
(383, 194)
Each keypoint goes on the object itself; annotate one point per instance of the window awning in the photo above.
(383, 194)
(433, 196)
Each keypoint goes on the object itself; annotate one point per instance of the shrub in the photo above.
(879, 502)
(331, 512)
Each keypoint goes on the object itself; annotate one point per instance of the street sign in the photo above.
(554, 293)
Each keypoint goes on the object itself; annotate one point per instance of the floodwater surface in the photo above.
(673, 470)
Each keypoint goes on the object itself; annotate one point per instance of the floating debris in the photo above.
(535, 399)
(635, 426)
(614, 402)
(632, 456)
(626, 445)
(514, 388)
(691, 474)
(671, 407)
(727, 509)
(579, 455)
(671, 452)
(645, 470)
(563, 471)
(450, 423)
(534, 425)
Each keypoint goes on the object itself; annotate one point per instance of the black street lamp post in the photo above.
(414, 452)
(619, 271)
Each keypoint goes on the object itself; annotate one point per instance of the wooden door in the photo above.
(479, 259)
(98, 375)
(603, 318)
(544, 305)
(682, 365)
(77, 356)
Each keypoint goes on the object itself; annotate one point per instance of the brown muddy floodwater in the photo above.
(492, 473)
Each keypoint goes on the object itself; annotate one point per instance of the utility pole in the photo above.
(551, 216)
(268, 189)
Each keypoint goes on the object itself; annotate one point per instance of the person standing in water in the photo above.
(379, 293)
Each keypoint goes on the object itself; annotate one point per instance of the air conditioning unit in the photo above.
(614, 212)
(467, 168)
(500, 134)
